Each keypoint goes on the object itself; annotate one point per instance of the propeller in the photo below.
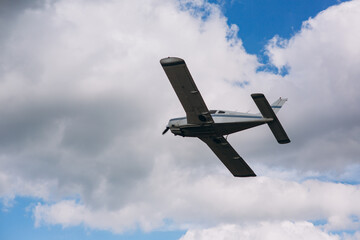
(165, 131)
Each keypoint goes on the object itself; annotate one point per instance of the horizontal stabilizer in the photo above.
(267, 112)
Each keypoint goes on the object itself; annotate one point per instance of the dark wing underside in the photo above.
(230, 158)
(186, 90)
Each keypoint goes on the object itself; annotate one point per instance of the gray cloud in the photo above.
(10, 10)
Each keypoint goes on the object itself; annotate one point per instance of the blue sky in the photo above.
(20, 217)
(63, 137)
(260, 20)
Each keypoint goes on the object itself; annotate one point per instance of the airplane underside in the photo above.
(216, 129)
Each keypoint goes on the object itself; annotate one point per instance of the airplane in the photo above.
(210, 126)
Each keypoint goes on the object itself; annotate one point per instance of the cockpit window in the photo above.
(212, 111)
(220, 111)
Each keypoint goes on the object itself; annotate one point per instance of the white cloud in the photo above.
(83, 101)
(261, 230)
(83, 96)
(323, 59)
(206, 201)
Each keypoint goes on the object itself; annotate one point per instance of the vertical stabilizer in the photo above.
(276, 106)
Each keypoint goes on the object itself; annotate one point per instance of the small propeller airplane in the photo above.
(211, 126)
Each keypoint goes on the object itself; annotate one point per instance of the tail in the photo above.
(268, 111)
(276, 106)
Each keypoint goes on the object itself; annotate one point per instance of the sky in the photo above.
(84, 99)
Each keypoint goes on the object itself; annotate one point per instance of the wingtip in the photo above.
(171, 61)
(257, 95)
(284, 141)
(248, 175)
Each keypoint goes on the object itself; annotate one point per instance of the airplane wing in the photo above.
(186, 90)
(230, 158)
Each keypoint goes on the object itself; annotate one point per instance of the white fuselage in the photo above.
(225, 122)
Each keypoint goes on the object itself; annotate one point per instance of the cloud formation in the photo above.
(216, 199)
(83, 101)
(323, 60)
(262, 230)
